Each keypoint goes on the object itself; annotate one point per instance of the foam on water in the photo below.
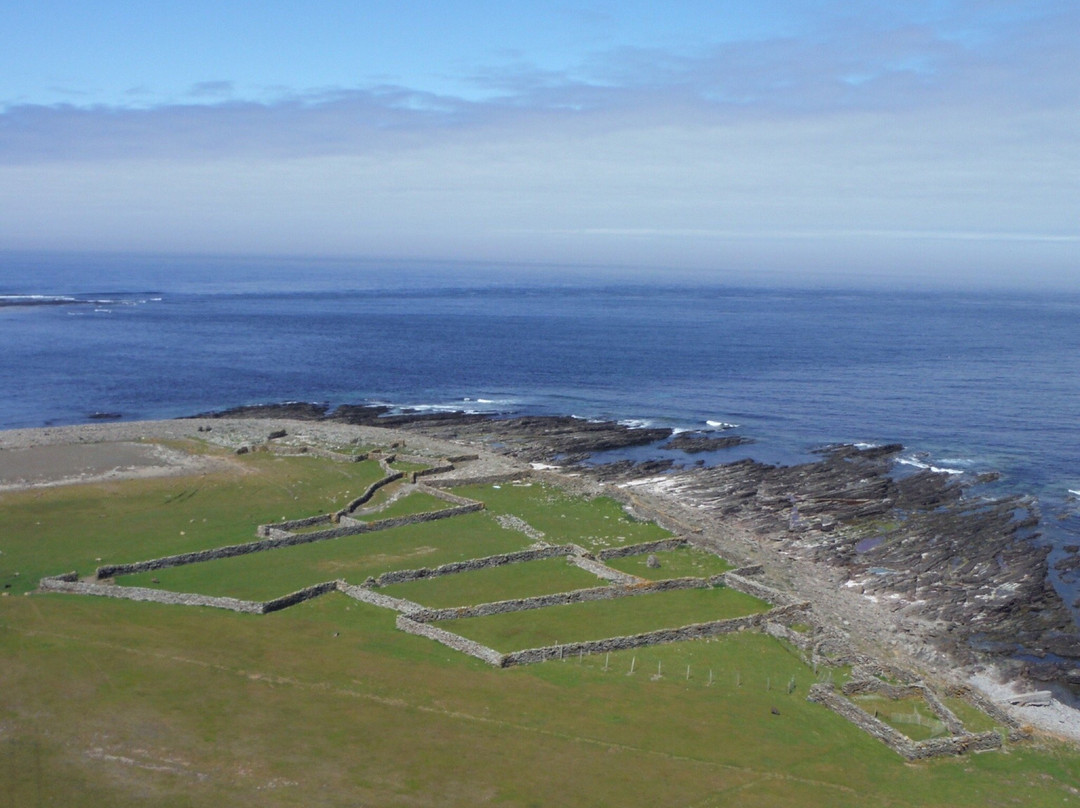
(920, 464)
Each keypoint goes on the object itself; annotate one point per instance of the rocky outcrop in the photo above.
(531, 437)
(694, 442)
(969, 568)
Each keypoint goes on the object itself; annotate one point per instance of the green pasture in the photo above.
(46, 531)
(271, 573)
(522, 580)
(112, 702)
(106, 702)
(974, 719)
(592, 523)
(594, 620)
(682, 562)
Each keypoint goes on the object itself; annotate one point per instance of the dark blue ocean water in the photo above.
(970, 382)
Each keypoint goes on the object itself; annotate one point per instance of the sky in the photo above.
(936, 141)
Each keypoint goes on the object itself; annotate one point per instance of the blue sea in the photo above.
(969, 382)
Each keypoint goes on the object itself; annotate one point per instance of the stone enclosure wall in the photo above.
(912, 750)
(69, 583)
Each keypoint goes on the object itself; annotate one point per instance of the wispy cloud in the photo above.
(943, 133)
(212, 89)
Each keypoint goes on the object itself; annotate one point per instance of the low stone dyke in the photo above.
(758, 590)
(401, 576)
(901, 744)
(609, 592)
(369, 492)
(446, 496)
(295, 524)
(367, 595)
(956, 745)
(825, 694)
(451, 640)
(804, 642)
(695, 631)
(995, 711)
(147, 595)
(640, 549)
(301, 595)
(897, 692)
(357, 527)
(490, 479)
(603, 571)
(748, 571)
(315, 451)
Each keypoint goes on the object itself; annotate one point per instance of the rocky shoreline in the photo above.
(916, 569)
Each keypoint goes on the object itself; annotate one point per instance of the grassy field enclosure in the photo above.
(594, 524)
(44, 531)
(597, 619)
(118, 703)
(522, 580)
(260, 576)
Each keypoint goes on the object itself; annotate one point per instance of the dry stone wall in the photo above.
(912, 750)
(147, 595)
(315, 451)
(451, 640)
(603, 570)
(609, 592)
(640, 549)
(369, 492)
(355, 527)
(758, 590)
(694, 631)
(293, 598)
(295, 524)
(993, 710)
(490, 479)
(367, 595)
(897, 692)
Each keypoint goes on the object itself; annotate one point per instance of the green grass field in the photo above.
(111, 702)
(523, 580)
(683, 562)
(45, 531)
(910, 715)
(594, 524)
(265, 575)
(594, 620)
